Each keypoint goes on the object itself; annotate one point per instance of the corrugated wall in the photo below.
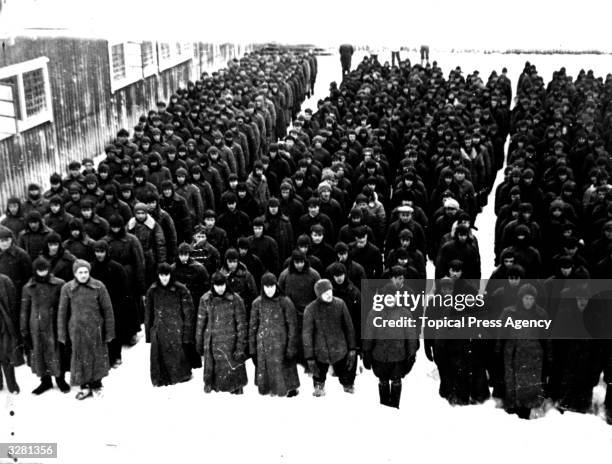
(86, 114)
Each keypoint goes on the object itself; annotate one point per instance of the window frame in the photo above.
(17, 70)
(175, 58)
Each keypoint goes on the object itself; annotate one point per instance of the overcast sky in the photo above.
(445, 24)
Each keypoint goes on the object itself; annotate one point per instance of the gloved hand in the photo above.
(312, 366)
(367, 359)
(351, 358)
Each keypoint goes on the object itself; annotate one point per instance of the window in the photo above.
(34, 90)
(130, 62)
(25, 96)
(118, 55)
(148, 58)
(134, 61)
(174, 53)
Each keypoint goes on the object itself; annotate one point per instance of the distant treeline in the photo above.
(552, 52)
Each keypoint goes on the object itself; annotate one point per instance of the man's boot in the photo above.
(61, 384)
(384, 392)
(45, 384)
(349, 389)
(319, 389)
(396, 393)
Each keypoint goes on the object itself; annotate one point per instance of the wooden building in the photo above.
(63, 99)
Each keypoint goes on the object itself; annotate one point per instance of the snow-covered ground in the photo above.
(134, 422)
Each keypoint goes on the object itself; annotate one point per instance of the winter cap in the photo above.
(5, 232)
(337, 269)
(565, 262)
(33, 216)
(405, 209)
(78, 264)
(268, 279)
(258, 222)
(91, 179)
(164, 269)
(313, 201)
(41, 264)
(522, 229)
(527, 289)
(56, 200)
(324, 186)
(317, 229)
(356, 213)
(53, 237)
(361, 232)
(116, 221)
(297, 256)
(140, 207)
(322, 286)
(397, 271)
(406, 234)
(184, 248)
(100, 245)
(232, 255)
(456, 265)
(273, 202)
(401, 253)
(341, 247)
(87, 204)
(110, 189)
(516, 270)
(229, 198)
(303, 240)
(243, 243)
(218, 279)
(451, 203)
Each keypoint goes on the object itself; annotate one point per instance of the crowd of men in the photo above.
(235, 226)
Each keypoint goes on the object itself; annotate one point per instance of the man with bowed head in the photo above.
(85, 319)
(329, 338)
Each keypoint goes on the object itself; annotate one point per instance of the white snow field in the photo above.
(135, 422)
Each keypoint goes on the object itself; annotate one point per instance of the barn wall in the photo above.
(86, 114)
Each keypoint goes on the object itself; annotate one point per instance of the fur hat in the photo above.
(78, 264)
(41, 264)
(5, 232)
(140, 207)
(322, 286)
(527, 289)
(268, 279)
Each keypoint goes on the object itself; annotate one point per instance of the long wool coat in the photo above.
(524, 359)
(113, 276)
(168, 325)
(9, 321)
(222, 338)
(273, 336)
(39, 304)
(85, 318)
